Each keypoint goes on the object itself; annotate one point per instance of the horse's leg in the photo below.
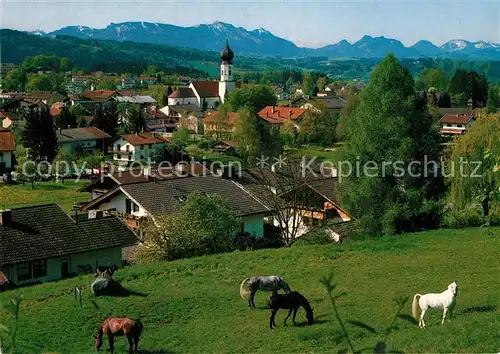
(111, 343)
(251, 302)
(294, 314)
(136, 338)
(130, 343)
(421, 322)
(445, 311)
(271, 319)
(286, 318)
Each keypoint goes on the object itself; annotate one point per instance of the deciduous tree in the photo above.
(247, 137)
(39, 134)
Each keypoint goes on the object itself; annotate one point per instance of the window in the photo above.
(142, 147)
(118, 147)
(119, 156)
(142, 157)
(459, 126)
(39, 268)
(23, 271)
(129, 157)
(135, 207)
(150, 146)
(229, 71)
(128, 206)
(127, 148)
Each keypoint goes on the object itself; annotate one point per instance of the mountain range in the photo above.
(262, 42)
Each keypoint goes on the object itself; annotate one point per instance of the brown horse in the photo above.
(119, 327)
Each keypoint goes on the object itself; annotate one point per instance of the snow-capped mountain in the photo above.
(260, 41)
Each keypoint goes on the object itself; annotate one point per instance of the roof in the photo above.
(456, 119)
(182, 92)
(136, 99)
(80, 134)
(207, 88)
(41, 95)
(98, 95)
(56, 108)
(163, 197)
(46, 231)
(332, 102)
(459, 110)
(278, 115)
(148, 78)
(326, 188)
(231, 117)
(7, 142)
(10, 115)
(144, 138)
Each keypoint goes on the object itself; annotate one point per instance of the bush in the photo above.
(315, 237)
(470, 216)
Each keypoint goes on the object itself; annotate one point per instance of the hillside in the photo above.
(262, 42)
(193, 305)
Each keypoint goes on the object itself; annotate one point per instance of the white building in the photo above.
(137, 147)
(207, 94)
(455, 124)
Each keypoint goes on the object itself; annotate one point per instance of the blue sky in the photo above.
(307, 23)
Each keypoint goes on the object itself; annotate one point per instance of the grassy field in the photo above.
(65, 194)
(194, 306)
(322, 154)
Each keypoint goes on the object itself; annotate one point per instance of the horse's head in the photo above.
(453, 287)
(310, 316)
(97, 342)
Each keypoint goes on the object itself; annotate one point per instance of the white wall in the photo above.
(183, 100)
(135, 150)
(117, 202)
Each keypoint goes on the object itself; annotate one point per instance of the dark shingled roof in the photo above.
(326, 187)
(164, 197)
(46, 231)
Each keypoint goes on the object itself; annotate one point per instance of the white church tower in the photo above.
(226, 83)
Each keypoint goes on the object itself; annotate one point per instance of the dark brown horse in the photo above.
(113, 327)
(291, 301)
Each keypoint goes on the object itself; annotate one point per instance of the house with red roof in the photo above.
(218, 128)
(7, 148)
(455, 124)
(277, 116)
(138, 147)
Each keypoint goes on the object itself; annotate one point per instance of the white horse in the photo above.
(273, 283)
(445, 300)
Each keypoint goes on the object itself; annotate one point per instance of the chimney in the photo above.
(5, 217)
(272, 109)
(469, 105)
(289, 114)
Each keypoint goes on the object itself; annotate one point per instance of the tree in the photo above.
(493, 99)
(39, 83)
(39, 134)
(66, 65)
(474, 175)
(318, 125)
(66, 119)
(390, 129)
(15, 80)
(468, 84)
(221, 125)
(252, 97)
(432, 77)
(136, 121)
(205, 224)
(308, 84)
(106, 118)
(247, 137)
(347, 112)
(321, 83)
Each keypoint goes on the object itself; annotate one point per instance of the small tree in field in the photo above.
(205, 224)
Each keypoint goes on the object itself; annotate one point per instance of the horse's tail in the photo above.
(245, 289)
(414, 306)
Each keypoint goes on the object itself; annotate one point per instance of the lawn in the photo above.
(194, 306)
(331, 154)
(65, 194)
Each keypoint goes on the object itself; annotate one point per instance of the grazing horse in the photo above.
(445, 300)
(273, 283)
(106, 271)
(119, 327)
(291, 301)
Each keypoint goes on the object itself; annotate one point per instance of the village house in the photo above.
(276, 116)
(455, 124)
(7, 148)
(214, 127)
(147, 80)
(42, 243)
(127, 83)
(9, 119)
(75, 140)
(46, 97)
(138, 147)
(139, 201)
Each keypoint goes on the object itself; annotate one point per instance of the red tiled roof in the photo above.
(456, 119)
(144, 138)
(207, 88)
(7, 142)
(278, 115)
(126, 92)
(148, 78)
(41, 95)
(56, 108)
(231, 117)
(182, 92)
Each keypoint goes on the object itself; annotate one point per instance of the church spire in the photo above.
(227, 54)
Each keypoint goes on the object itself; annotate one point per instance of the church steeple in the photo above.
(226, 82)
